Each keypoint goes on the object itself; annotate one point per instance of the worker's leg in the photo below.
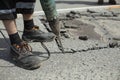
(31, 31)
(12, 31)
(20, 51)
(8, 15)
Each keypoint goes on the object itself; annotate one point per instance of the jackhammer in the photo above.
(50, 11)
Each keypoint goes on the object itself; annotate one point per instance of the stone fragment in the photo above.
(83, 38)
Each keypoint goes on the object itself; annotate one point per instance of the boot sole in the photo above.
(36, 40)
(34, 67)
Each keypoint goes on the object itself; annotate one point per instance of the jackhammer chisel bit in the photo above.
(49, 9)
(56, 30)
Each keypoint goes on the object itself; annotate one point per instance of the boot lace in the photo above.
(23, 48)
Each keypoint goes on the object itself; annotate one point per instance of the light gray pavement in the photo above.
(63, 4)
(99, 64)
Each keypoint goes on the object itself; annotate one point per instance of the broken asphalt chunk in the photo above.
(83, 38)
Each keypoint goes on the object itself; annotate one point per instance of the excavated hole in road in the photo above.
(80, 30)
(73, 27)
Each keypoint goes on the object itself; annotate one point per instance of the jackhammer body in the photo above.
(50, 11)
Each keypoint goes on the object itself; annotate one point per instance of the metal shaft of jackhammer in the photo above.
(50, 11)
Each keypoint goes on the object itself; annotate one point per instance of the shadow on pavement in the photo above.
(5, 55)
(5, 49)
(4, 52)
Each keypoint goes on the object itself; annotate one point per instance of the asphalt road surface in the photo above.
(93, 57)
(63, 4)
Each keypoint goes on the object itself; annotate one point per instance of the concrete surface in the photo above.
(93, 59)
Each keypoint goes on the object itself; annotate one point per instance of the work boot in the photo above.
(100, 2)
(36, 35)
(23, 56)
(112, 2)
